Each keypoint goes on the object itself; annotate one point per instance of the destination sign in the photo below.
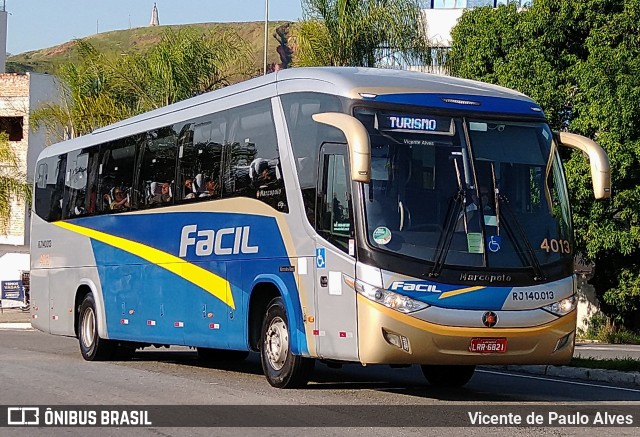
(413, 123)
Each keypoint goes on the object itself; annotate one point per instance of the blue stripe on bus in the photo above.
(480, 298)
(127, 279)
(496, 105)
(163, 231)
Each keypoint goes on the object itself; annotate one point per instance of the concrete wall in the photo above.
(19, 95)
(43, 88)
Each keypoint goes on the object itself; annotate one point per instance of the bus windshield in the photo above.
(465, 192)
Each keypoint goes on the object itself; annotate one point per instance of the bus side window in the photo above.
(80, 183)
(306, 138)
(334, 216)
(50, 187)
(200, 154)
(252, 162)
(157, 168)
(116, 174)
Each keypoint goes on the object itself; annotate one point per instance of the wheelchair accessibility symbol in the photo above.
(494, 243)
(321, 260)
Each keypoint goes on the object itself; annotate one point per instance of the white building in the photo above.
(440, 17)
(19, 95)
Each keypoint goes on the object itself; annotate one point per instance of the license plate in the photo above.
(488, 345)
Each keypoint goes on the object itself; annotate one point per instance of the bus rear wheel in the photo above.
(281, 368)
(448, 376)
(92, 347)
(208, 354)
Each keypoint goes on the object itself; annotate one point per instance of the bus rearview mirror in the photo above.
(357, 140)
(600, 169)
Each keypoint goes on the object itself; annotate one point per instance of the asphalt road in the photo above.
(39, 369)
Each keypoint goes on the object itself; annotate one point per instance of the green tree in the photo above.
(103, 89)
(13, 183)
(581, 61)
(364, 33)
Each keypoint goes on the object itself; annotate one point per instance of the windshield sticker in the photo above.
(382, 235)
(545, 134)
(490, 220)
(474, 242)
(494, 242)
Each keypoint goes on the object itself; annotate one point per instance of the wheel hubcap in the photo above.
(88, 328)
(276, 343)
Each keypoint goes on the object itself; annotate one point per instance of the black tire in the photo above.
(281, 368)
(92, 347)
(212, 355)
(448, 376)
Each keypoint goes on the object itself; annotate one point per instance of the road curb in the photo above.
(582, 373)
(14, 326)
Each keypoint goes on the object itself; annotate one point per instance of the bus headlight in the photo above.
(562, 307)
(389, 299)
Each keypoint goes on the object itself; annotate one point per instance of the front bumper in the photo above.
(428, 343)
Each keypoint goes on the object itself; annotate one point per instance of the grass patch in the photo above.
(619, 364)
(600, 328)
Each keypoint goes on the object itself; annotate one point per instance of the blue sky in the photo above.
(36, 24)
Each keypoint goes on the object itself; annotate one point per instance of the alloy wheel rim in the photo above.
(88, 327)
(276, 343)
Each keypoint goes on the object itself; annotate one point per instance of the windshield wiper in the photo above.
(538, 274)
(455, 207)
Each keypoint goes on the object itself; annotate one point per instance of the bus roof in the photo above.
(351, 82)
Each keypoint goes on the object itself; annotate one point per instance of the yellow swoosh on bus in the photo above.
(452, 293)
(204, 279)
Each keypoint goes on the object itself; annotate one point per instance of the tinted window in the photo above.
(307, 136)
(81, 182)
(116, 172)
(251, 159)
(334, 218)
(50, 183)
(156, 185)
(200, 153)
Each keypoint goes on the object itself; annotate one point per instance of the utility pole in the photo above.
(266, 31)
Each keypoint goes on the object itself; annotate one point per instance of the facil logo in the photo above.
(414, 286)
(225, 241)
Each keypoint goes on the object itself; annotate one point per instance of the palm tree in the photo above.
(364, 33)
(13, 183)
(185, 63)
(103, 89)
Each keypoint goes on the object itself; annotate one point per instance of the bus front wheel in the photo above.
(448, 376)
(92, 347)
(280, 366)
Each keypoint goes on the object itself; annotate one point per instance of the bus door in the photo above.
(336, 328)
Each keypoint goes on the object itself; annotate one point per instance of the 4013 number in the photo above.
(553, 245)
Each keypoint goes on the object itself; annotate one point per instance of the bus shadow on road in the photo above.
(407, 381)
(189, 357)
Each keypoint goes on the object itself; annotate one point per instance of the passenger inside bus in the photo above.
(211, 188)
(120, 201)
(164, 196)
(189, 191)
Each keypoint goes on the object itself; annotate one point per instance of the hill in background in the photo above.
(141, 40)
